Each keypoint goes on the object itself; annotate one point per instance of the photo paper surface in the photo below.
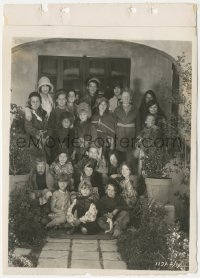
(100, 116)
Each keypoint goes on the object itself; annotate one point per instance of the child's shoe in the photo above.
(84, 231)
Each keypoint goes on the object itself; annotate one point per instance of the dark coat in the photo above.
(105, 125)
(34, 126)
(106, 204)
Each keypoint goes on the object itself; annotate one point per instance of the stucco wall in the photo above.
(150, 69)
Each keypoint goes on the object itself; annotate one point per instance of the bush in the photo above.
(26, 218)
(19, 156)
(20, 261)
(152, 245)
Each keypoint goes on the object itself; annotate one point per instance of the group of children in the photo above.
(89, 187)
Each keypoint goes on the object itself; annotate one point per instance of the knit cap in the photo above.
(84, 106)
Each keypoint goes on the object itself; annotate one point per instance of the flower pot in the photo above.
(158, 189)
(17, 181)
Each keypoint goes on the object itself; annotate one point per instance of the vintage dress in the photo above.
(56, 169)
(125, 128)
(61, 202)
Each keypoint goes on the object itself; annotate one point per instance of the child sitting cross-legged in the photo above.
(40, 181)
(85, 207)
(60, 202)
(113, 211)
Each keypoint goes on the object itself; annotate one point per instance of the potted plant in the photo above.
(19, 156)
(157, 184)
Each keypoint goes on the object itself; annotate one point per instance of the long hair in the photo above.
(160, 113)
(128, 165)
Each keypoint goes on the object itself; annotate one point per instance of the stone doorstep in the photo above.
(114, 265)
(87, 256)
(84, 241)
(22, 251)
(111, 256)
(110, 241)
(108, 247)
(57, 246)
(63, 240)
(51, 254)
(85, 264)
(84, 247)
(52, 263)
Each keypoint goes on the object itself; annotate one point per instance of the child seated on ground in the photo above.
(90, 175)
(62, 164)
(60, 202)
(113, 211)
(40, 182)
(85, 207)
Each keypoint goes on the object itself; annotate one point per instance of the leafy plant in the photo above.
(183, 214)
(153, 162)
(155, 245)
(26, 218)
(20, 159)
(19, 261)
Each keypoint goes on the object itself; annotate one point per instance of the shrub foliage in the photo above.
(26, 218)
(155, 245)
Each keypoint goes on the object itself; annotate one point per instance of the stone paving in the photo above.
(80, 253)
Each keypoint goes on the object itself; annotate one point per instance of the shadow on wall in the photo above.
(137, 91)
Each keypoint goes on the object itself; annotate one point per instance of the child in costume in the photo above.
(40, 182)
(62, 164)
(85, 207)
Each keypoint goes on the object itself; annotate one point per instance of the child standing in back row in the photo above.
(45, 88)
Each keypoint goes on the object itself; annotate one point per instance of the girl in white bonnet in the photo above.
(44, 89)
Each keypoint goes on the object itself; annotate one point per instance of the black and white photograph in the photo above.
(100, 153)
